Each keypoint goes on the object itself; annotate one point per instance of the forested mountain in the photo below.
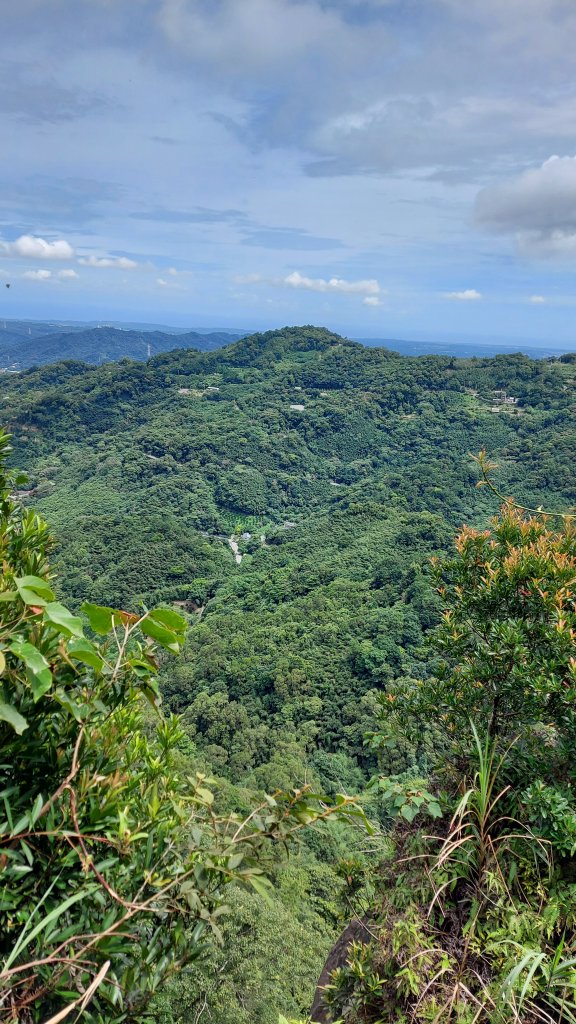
(286, 493)
(100, 344)
(32, 347)
(347, 467)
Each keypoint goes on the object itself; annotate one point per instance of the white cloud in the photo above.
(541, 199)
(537, 300)
(537, 208)
(552, 244)
(117, 262)
(334, 284)
(47, 275)
(243, 38)
(31, 247)
(468, 295)
(37, 275)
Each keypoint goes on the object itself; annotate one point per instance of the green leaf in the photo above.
(68, 704)
(24, 939)
(99, 616)
(261, 885)
(409, 812)
(434, 809)
(20, 869)
(2, 663)
(27, 852)
(8, 595)
(38, 805)
(39, 673)
(205, 795)
(30, 655)
(8, 713)
(40, 683)
(57, 615)
(34, 590)
(82, 650)
(21, 825)
(169, 618)
(165, 637)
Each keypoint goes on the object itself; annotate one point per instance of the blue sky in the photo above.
(390, 168)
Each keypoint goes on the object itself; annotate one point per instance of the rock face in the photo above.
(356, 931)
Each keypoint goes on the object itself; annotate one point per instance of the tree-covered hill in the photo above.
(286, 493)
(348, 468)
(19, 351)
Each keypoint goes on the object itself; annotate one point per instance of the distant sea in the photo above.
(468, 350)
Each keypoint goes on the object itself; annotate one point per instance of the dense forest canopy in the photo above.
(114, 855)
(341, 469)
(287, 494)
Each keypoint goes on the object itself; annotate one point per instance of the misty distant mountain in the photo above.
(22, 330)
(23, 345)
(463, 349)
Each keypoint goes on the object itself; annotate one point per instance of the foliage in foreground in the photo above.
(113, 861)
(477, 922)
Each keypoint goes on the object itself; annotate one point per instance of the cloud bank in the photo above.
(537, 208)
(333, 285)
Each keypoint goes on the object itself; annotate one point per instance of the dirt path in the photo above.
(234, 545)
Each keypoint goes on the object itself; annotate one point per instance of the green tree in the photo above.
(506, 636)
(113, 861)
(477, 922)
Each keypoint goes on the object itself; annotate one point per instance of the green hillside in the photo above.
(348, 468)
(286, 493)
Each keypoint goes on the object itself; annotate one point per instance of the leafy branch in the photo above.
(486, 468)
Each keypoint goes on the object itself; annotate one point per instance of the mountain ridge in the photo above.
(97, 345)
(27, 343)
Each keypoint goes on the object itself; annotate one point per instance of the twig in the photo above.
(486, 467)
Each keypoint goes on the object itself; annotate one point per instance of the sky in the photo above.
(386, 168)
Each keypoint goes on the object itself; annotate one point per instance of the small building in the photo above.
(502, 398)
